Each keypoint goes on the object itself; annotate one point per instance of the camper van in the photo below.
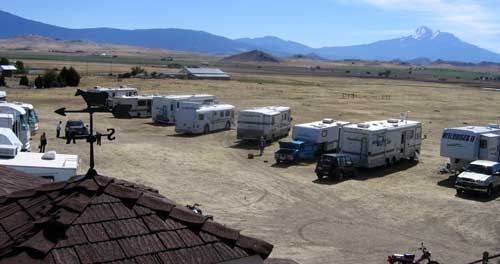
(114, 92)
(196, 118)
(378, 143)
(135, 106)
(56, 167)
(165, 107)
(32, 116)
(270, 122)
(462, 145)
(21, 126)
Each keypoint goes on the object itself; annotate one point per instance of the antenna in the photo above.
(96, 103)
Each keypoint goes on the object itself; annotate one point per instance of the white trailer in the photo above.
(56, 167)
(196, 118)
(32, 116)
(462, 145)
(114, 92)
(378, 143)
(136, 106)
(165, 107)
(270, 122)
(21, 126)
(325, 133)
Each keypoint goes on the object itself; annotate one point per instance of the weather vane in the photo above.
(96, 103)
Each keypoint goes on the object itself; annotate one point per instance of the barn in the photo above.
(204, 74)
(7, 70)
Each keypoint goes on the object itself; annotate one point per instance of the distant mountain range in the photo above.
(425, 43)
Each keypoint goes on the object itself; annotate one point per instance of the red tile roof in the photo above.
(99, 219)
(13, 180)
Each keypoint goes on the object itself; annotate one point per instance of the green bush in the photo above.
(4, 61)
(39, 82)
(24, 81)
(20, 67)
(2, 81)
(72, 77)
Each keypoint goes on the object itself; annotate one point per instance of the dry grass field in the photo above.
(360, 220)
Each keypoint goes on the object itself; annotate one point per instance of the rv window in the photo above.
(214, 114)
(141, 103)
(483, 143)
(178, 105)
(114, 94)
(418, 133)
(228, 113)
(380, 141)
(201, 117)
(171, 107)
(221, 114)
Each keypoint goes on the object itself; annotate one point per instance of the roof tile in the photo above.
(183, 214)
(95, 232)
(21, 231)
(229, 253)
(65, 255)
(122, 212)
(96, 213)
(208, 238)
(75, 235)
(171, 240)
(256, 245)
(190, 239)
(9, 209)
(149, 244)
(100, 252)
(50, 187)
(125, 228)
(89, 185)
(65, 217)
(173, 225)
(38, 243)
(104, 198)
(155, 223)
(21, 194)
(76, 202)
(122, 192)
(150, 259)
(15, 220)
(221, 231)
(141, 210)
(156, 203)
(103, 181)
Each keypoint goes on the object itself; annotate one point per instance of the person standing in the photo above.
(262, 145)
(58, 129)
(43, 142)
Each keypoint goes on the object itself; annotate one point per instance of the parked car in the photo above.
(295, 151)
(335, 165)
(481, 176)
(76, 127)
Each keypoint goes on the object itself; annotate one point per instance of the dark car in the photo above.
(335, 165)
(76, 128)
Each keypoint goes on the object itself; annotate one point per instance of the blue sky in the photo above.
(316, 23)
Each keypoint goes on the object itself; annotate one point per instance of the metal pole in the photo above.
(91, 137)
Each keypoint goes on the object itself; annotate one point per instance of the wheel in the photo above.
(489, 191)
(387, 163)
(459, 192)
(206, 130)
(273, 137)
(320, 176)
(228, 126)
(340, 176)
(278, 161)
(393, 160)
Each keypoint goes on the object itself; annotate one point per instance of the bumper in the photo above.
(284, 157)
(470, 187)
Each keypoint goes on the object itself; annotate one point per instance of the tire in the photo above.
(320, 176)
(489, 191)
(459, 192)
(273, 137)
(228, 126)
(278, 161)
(393, 160)
(206, 129)
(387, 163)
(340, 176)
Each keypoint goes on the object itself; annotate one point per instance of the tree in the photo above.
(4, 61)
(50, 79)
(72, 77)
(20, 67)
(24, 81)
(63, 76)
(39, 82)
(2, 81)
(136, 70)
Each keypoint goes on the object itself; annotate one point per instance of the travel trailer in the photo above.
(32, 116)
(462, 145)
(56, 167)
(165, 107)
(196, 118)
(324, 133)
(134, 106)
(270, 122)
(114, 92)
(21, 126)
(378, 143)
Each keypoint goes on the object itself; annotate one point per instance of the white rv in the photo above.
(32, 116)
(378, 143)
(271, 122)
(57, 167)
(6, 121)
(114, 92)
(3, 96)
(136, 106)
(165, 107)
(196, 118)
(21, 126)
(466, 144)
(325, 133)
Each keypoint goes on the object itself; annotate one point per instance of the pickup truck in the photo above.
(295, 151)
(481, 176)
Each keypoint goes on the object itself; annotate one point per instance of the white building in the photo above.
(205, 74)
(195, 118)
(270, 122)
(114, 92)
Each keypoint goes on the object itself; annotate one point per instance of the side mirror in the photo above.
(425, 137)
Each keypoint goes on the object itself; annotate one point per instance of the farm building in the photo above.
(7, 70)
(204, 74)
(96, 219)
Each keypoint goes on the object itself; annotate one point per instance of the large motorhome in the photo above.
(21, 126)
(165, 107)
(270, 122)
(196, 118)
(114, 92)
(466, 144)
(378, 143)
(134, 106)
(32, 116)
(325, 133)
(56, 167)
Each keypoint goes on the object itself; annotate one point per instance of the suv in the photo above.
(337, 165)
(76, 127)
(480, 175)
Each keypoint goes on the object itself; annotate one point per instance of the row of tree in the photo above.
(65, 77)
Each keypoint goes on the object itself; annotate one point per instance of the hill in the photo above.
(277, 46)
(253, 56)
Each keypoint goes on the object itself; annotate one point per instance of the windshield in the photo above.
(74, 123)
(33, 118)
(289, 145)
(24, 122)
(479, 169)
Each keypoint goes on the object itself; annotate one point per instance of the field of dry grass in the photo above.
(360, 220)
